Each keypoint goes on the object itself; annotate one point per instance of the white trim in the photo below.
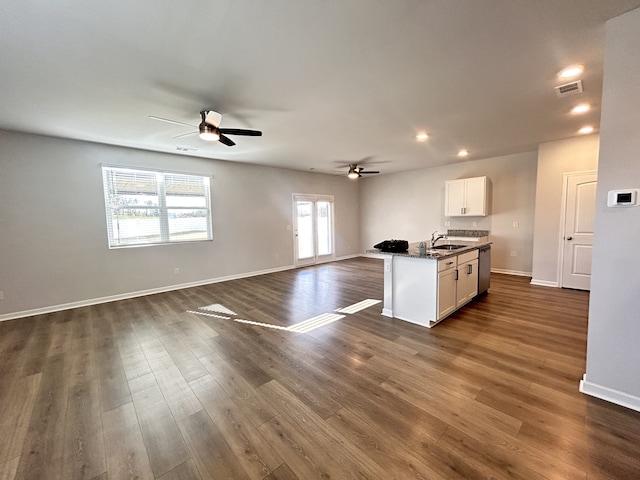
(343, 257)
(609, 394)
(511, 272)
(151, 291)
(139, 293)
(373, 255)
(544, 283)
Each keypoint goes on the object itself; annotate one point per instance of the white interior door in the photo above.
(313, 229)
(577, 239)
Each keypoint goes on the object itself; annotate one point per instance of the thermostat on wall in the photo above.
(622, 198)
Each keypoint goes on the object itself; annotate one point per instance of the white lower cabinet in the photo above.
(447, 299)
(467, 286)
(458, 284)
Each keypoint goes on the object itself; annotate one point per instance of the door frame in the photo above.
(314, 198)
(563, 218)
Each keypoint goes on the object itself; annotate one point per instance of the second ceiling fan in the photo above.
(356, 171)
(209, 128)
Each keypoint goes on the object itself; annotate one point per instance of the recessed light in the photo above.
(571, 72)
(586, 130)
(463, 153)
(582, 108)
(422, 137)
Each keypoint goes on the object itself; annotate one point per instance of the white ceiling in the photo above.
(328, 82)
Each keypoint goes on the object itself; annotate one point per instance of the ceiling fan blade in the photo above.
(226, 140)
(172, 121)
(213, 118)
(362, 172)
(241, 131)
(184, 135)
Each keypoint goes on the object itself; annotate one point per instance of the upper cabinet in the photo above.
(466, 197)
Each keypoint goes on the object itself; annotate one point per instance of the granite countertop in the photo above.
(414, 250)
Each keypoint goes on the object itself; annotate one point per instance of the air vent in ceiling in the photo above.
(186, 149)
(569, 89)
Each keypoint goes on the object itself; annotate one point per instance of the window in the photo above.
(147, 207)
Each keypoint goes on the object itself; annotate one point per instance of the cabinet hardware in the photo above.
(456, 274)
(469, 269)
(569, 238)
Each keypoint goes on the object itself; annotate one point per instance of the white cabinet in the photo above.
(447, 298)
(466, 197)
(457, 282)
(467, 287)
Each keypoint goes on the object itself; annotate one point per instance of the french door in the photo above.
(313, 229)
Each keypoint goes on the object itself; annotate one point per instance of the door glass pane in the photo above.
(305, 229)
(324, 228)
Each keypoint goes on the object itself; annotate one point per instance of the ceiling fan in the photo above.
(209, 128)
(356, 172)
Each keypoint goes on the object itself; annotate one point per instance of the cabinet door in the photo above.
(467, 287)
(475, 196)
(454, 198)
(446, 292)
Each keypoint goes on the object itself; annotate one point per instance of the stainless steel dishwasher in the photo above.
(484, 268)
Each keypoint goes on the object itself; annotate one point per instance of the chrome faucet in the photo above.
(434, 239)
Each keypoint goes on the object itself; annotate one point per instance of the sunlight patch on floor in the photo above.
(209, 314)
(356, 307)
(315, 322)
(260, 324)
(216, 307)
(301, 327)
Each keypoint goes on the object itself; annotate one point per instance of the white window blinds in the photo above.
(147, 207)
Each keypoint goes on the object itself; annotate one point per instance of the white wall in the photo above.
(410, 205)
(579, 154)
(53, 240)
(613, 348)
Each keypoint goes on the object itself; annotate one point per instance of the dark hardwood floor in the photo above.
(144, 389)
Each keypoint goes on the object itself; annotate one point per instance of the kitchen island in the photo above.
(425, 288)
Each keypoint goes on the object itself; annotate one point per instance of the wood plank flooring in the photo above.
(143, 389)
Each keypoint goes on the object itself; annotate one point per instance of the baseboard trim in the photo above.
(511, 272)
(609, 394)
(544, 283)
(372, 255)
(152, 291)
(139, 293)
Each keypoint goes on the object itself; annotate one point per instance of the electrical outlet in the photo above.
(176, 271)
(447, 224)
(516, 224)
(514, 253)
(475, 224)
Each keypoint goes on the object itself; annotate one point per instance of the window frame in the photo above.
(162, 206)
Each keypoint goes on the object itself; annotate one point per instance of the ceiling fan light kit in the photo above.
(209, 128)
(208, 133)
(356, 172)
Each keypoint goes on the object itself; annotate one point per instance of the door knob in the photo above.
(569, 238)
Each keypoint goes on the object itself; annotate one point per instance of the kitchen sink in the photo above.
(448, 247)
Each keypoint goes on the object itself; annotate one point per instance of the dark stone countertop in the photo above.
(414, 250)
